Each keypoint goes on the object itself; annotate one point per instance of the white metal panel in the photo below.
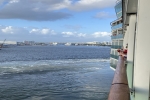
(126, 37)
(142, 56)
(130, 54)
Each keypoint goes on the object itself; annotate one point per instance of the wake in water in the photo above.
(50, 65)
(71, 79)
(55, 73)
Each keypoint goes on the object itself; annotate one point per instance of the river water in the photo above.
(55, 73)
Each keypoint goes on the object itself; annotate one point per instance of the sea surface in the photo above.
(55, 73)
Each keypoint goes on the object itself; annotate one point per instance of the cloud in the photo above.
(13, 33)
(40, 5)
(14, 1)
(73, 34)
(2, 1)
(81, 35)
(11, 30)
(103, 15)
(83, 5)
(36, 10)
(34, 31)
(67, 34)
(43, 31)
(35, 16)
(26, 33)
(8, 30)
(47, 10)
(49, 35)
(100, 34)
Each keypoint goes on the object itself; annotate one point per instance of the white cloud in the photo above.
(73, 34)
(34, 31)
(14, 1)
(47, 34)
(43, 31)
(67, 34)
(47, 10)
(11, 30)
(25, 30)
(94, 35)
(100, 34)
(81, 35)
(8, 30)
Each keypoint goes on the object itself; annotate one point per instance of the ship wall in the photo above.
(142, 49)
(136, 27)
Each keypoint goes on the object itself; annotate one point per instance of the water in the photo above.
(55, 73)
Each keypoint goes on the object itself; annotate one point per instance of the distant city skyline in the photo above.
(34, 43)
(56, 20)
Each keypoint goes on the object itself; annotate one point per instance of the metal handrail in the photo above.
(120, 89)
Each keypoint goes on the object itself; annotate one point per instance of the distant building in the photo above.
(9, 42)
(20, 44)
(6, 44)
(68, 44)
(29, 42)
(93, 43)
(53, 43)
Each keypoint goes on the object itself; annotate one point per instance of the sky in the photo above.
(56, 20)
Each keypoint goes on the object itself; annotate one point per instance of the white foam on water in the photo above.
(50, 65)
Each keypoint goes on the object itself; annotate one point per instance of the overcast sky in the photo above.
(56, 20)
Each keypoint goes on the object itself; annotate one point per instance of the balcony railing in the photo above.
(116, 26)
(120, 89)
(119, 14)
(119, 36)
(118, 7)
(116, 46)
(113, 65)
(114, 56)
